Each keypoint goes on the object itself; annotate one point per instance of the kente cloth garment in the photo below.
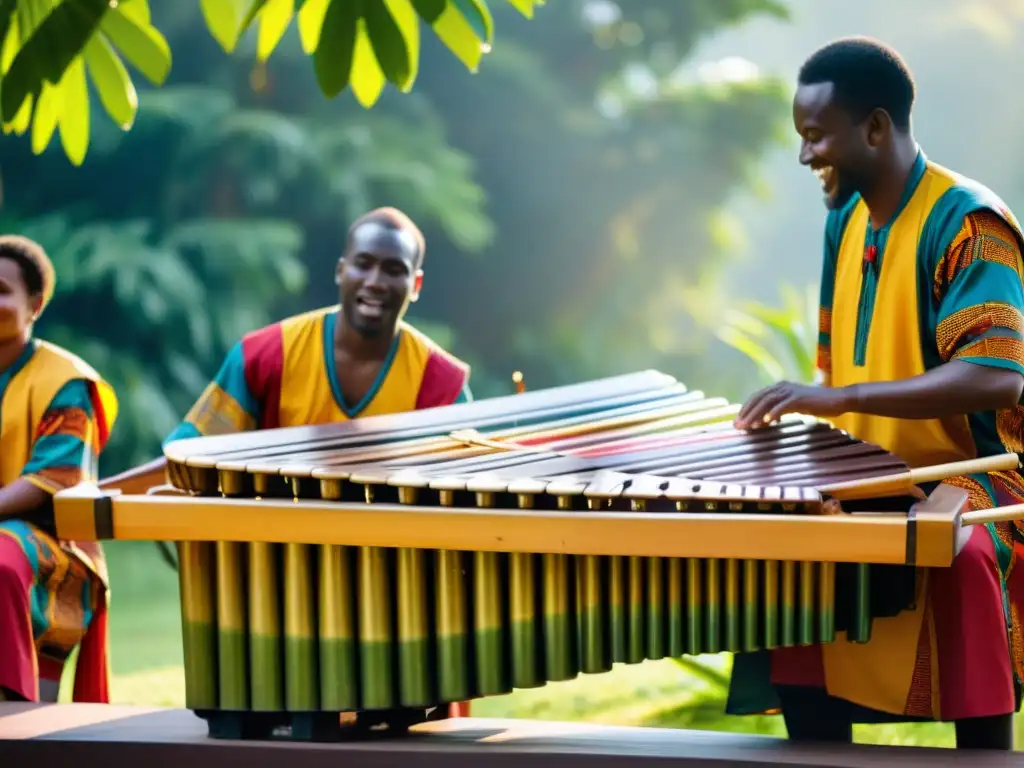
(284, 375)
(941, 281)
(55, 418)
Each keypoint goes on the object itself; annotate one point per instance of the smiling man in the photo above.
(356, 359)
(920, 351)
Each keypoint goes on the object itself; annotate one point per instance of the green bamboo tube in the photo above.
(198, 587)
(591, 607)
(676, 608)
(636, 613)
(266, 680)
(807, 603)
(558, 655)
(452, 627)
(694, 607)
(733, 607)
(339, 691)
(713, 595)
(860, 630)
(414, 688)
(771, 604)
(377, 673)
(523, 615)
(301, 689)
(826, 602)
(491, 665)
(656, 624)
(617, 608)
(232, 638)
(788, 604)
(751, 630)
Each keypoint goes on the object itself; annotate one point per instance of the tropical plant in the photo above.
(780, 341)
(49, 46)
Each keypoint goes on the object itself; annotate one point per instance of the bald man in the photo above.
(357, 358)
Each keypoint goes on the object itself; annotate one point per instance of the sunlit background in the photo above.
(616, 189)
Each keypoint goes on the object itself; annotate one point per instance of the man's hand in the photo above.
(766, 406)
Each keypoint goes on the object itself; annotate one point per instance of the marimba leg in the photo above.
(994, 732)
(811, 715)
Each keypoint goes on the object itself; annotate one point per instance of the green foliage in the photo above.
(201, 232)
(48, 46)
(781, 342)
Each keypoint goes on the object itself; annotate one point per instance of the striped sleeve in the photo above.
(980, 293)
(66, 444)
(834, 226)
(226, 406)
(445, 381)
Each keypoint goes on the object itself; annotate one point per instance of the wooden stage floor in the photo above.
(99, 736)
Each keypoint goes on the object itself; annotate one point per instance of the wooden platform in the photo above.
(98, 736)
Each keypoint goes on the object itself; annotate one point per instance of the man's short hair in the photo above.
(394, 219)
(867, 75)
(30, 258)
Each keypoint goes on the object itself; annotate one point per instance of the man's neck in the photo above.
(359, 347)
(11, 349)
(883, 200)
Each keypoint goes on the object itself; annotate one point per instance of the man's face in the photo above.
(377, 278)
(17, 306)
(840, 151)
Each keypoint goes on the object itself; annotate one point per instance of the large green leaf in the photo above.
(139, 42)
(112, 81)
(74, 114)
(274, 21)
(311, 22)
(362, 44)
(335, 51)
(222, 19)
(367, 76)
(49, 49)
(386, 41)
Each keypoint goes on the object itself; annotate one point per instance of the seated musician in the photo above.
(330, 365)
(55, 415)
(921, 353)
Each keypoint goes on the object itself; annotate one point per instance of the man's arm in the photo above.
(226, 406)
(980, 294)
(65, 452)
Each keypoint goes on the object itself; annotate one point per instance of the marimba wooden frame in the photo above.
(930, 536)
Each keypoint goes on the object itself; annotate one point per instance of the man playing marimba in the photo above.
(340, 363)
(344, 362)
(921, 352)
(55, 416)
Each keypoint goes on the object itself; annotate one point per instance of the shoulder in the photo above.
(64, 363)
(435, 354)
(271, 335)
(960, 209)
(444, 375)
(64, 376)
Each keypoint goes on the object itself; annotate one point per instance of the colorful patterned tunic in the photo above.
(941, 281)
(284, 375)
(55, 418)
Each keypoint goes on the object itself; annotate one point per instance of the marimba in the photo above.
(387, 566)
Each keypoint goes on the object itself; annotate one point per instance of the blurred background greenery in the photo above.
(616, 189)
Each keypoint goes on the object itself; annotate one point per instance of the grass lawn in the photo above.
(146, 651)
